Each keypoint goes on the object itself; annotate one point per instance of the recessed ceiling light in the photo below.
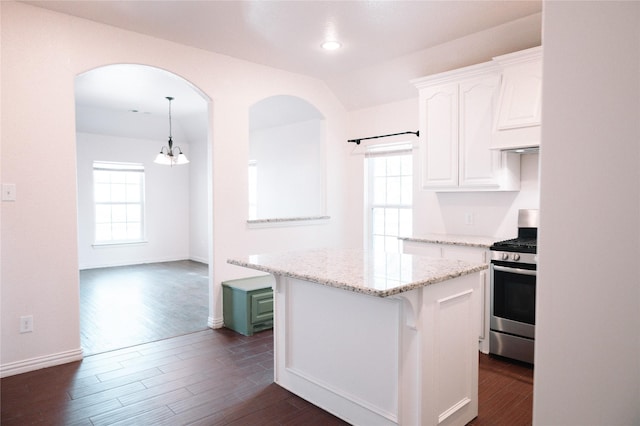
(331, 45)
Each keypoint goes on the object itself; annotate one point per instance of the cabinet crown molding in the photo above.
(471, 71)
(455, 75)
(526, 55)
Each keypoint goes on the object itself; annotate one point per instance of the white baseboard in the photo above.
(37, 363)
(215, 322)
(199, 259)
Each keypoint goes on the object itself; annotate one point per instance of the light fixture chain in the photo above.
(170, 131)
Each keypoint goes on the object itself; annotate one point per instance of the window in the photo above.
(118, 192)
(390, 194)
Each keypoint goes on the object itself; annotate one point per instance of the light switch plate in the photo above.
(8, 192)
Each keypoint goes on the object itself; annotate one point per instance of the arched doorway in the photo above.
(153, 284)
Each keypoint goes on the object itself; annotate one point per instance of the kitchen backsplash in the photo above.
(492, 214)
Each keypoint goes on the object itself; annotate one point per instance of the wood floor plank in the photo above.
(228, 380)
(153, 417)
(183, 375)
(77, 392)
(149, 393)
(198, 416)
(68, 415)
(224, 394)
(130, 411)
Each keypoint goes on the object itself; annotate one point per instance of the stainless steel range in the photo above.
(513, 291)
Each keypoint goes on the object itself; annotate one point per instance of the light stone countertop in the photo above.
(381, 275)
(458, 240)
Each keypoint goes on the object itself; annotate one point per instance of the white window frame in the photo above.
(126, 181)
(392, 243)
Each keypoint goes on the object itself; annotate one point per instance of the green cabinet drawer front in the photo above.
(261, 307)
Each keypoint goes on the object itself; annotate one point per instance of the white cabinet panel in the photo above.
(479, 165)
(440, 106)
(468, 254)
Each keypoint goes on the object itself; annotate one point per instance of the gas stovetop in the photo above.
(520, 245)
(524, 248)
(527, 242)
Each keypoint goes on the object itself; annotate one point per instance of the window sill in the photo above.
(287, 221)
(119, 244)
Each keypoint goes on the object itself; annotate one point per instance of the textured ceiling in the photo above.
(385, 43)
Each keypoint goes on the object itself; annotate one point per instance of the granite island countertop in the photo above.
(376, 274)
(457, 240)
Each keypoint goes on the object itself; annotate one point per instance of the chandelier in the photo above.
(170, 155)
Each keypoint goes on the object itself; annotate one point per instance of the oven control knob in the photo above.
(505, 256)
(516, 257)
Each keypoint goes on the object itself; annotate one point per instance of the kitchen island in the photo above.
(377, 339)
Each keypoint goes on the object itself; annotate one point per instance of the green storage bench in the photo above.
(247, 304)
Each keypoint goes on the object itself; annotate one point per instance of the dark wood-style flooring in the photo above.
(129, 305)
(505, 393)
(212, 377)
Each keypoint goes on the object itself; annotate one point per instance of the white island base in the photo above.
(408, 359)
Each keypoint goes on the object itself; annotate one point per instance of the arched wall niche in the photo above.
(286, 160)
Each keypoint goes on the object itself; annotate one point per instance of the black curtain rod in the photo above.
(357, 141)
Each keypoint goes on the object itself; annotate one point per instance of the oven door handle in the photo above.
(514, 270)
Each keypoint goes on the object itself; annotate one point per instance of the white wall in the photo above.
(395, 117)
(167, 202)
(290, 164)
(199, 186)
(588, 299)
(495, 214)
(190, 133)
(42, 53)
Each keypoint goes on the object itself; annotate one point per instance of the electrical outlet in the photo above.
(26, 324)
(8, 192)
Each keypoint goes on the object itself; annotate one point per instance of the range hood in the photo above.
(518, 113)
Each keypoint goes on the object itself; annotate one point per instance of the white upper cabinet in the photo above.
(517, 123)
(456, 129)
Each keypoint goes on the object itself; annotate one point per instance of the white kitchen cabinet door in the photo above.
(440, 130)
(479, 166)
